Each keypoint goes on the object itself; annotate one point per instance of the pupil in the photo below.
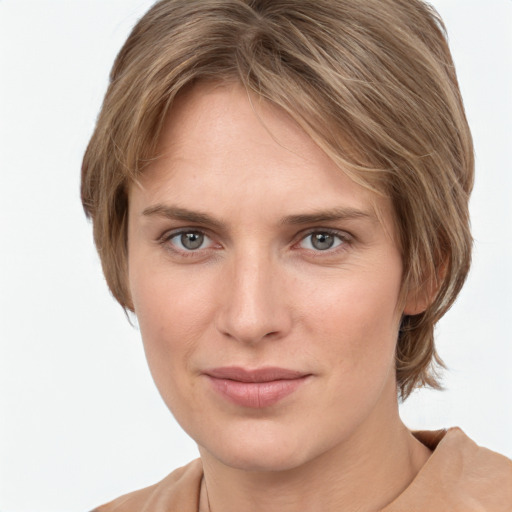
(322, 241)
(192, 240)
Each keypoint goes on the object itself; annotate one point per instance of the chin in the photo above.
(260, 450)
(261, 460)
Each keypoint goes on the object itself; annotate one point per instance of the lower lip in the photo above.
(256, 395)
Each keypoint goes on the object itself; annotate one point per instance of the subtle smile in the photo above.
(255, 388)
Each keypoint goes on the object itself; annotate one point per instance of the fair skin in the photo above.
(249, 249)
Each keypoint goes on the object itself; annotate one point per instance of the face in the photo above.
(265, 285)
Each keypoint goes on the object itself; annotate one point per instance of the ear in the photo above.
(418, 300)
(420, 297)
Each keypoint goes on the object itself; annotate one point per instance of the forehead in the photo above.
(230, 152)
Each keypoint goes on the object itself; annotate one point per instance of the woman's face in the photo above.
(265, 285)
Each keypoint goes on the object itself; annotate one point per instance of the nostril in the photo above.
(251, 302)
(248, 330)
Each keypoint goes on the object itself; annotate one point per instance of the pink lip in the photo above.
(255, 388)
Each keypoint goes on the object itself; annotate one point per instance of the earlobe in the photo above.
(418, 300)
(421, 296)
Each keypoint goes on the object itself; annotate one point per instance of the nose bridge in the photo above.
(253, 305)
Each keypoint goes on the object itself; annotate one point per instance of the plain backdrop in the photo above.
(80, 419)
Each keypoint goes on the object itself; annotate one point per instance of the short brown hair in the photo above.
(372, 81)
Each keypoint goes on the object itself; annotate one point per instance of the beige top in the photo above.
(458, 477)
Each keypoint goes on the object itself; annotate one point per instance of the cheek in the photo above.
(164, 300)
(356, 335)
(356, 320)
(172, 313)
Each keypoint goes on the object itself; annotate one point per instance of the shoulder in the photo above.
(460, 476)
(455, 452)
(179, 491)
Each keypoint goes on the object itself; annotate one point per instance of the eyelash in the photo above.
(165, 241)
(345, 239)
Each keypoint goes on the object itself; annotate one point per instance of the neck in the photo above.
(364, 473)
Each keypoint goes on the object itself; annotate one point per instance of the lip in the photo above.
(258, 388)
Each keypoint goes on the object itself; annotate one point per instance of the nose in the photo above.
(253, 305)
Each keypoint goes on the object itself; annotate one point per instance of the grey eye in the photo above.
(191, 241)
(321, 241)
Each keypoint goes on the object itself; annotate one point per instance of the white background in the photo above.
(80, 419)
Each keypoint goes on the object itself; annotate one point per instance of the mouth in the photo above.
(257, 388)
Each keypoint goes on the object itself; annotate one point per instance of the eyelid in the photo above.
(344, 236)
(167, 236)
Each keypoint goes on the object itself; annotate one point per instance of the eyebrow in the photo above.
(335, 214)
(176, 213)
(196, 217)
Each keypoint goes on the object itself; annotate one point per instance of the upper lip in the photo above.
(266, 374)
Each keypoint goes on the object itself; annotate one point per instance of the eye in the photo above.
(321, 241)
(189, 240)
